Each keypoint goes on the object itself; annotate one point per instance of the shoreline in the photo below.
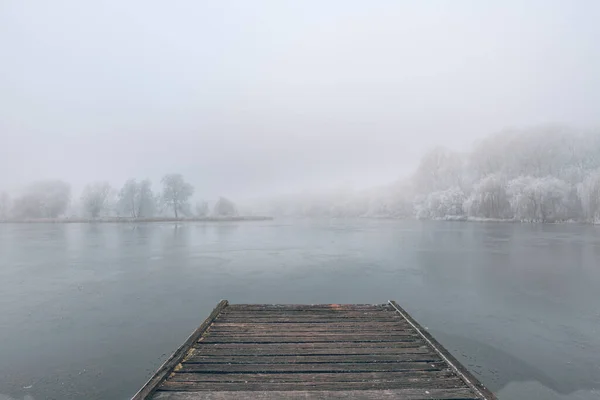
(125, 220)
(490, 220)
(484, 220)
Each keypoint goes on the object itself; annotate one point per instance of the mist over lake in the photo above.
(157, 157)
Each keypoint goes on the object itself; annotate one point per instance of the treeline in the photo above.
(51, 199)
(542, 174)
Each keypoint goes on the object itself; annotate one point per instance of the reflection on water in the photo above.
(90, 311)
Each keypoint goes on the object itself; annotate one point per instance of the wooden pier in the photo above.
(327, 351)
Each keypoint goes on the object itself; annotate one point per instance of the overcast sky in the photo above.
(252, 97)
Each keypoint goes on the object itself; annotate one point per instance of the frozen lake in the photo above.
(90, 311)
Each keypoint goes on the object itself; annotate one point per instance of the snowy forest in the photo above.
(541, 174)
(51, 199)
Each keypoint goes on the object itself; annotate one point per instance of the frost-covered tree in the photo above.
(542, 173)
(136, 199)
(441, 204)
(523, 201)
(488, 198)
(128, 198)
(176, 193)
(589, 193)
(44, 199)
(96, 199)
(539, 199)
(224, 208)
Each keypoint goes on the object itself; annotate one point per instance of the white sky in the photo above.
(253, 97)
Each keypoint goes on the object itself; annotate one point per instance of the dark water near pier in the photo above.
(89, 311)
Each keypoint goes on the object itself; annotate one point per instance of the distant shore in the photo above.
(463, 218)
(130, 220)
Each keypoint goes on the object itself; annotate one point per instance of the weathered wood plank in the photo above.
(319, 327)
(336, 367)
(311, 310)
(344, 358)
(384, 317)
(327, 345)
(277, 351)
(358, 325)
(390, 394)
(301, 334)
(278, 331)
(249, 315)
(306, 321)
(366, 385)
(150, 386)
(302, 307)
(314, 377)
(308, 339)
(309, 327)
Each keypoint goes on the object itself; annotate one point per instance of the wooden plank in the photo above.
(300, 346)
(307, 320)
(461, 371)
(317, 334)
(297, 359)
(286, 386)
(249, 315)
(281, 328)
(359, 325)
(391, 394)
(162, 372)
(301, 307)
(308, 339)
(312, 377)
(335, 367)
(277, 351)
(284, 308)
(317, 328)
(387, 316)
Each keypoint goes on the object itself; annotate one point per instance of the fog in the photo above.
(251, 99)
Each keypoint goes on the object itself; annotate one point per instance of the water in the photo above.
(90, 311)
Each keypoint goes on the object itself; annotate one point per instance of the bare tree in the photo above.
(176, 193)
(95, 198)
